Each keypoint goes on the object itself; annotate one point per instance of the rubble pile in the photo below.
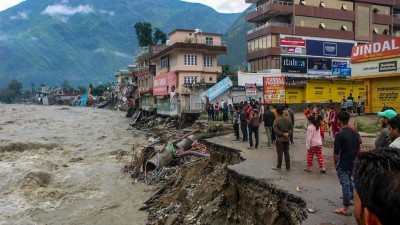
(195, 185)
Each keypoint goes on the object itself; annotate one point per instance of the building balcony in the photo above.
(268, 28)
(396, 19)
(379, 37)
(382, 19)
(263, 53)
(270, 9)
(324, 33)
(326, 13)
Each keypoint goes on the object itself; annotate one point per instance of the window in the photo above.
(190, 60)
(209, 40)
(164, 62)
(208, 61)
(210, 79)
(189, 80)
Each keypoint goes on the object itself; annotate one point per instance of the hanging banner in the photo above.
(274, 90)
(217, 89)
(251, 90)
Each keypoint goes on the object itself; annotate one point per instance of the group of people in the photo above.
(219, 110)
(278, 122)
(349, 103)
(353, 167)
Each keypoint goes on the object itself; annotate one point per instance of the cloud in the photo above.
(231, 6)
(115, 53)
(20, 16)
(110, 13)
(64, 10)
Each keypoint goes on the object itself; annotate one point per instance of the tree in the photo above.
(159, 36)
(12, 91)
(82, 89)
(143, 33)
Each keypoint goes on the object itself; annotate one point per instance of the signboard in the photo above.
(293, 50)
(319, 66)
(251, 90)
(384, 49)
(374, 68)
(164, 84)
(274, 90)
(296, 42)
(257, 78)
(294, 64)
(341, 68)
(217, 89)
(329, 48)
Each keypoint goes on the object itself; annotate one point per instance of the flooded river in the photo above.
(63, 165)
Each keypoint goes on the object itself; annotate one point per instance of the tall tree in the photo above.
(12, 91)
(159, 36)
(143, 33)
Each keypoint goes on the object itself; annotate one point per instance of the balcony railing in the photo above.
(271, 2)
(269, 24)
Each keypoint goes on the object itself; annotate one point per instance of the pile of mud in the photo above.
(21, 147)
(208, 192)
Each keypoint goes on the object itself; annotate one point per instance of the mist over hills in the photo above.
(86, 41)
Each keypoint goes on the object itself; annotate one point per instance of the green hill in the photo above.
(86, 41)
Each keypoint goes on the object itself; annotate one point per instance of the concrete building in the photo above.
(185, 69)
(312, 38)
(144, 73)
(377, 64)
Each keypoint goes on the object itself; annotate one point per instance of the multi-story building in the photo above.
(144, 72)
(185, 69)
(288, 33)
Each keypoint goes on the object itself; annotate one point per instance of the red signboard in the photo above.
(164, 84)
(293, 42)
(384, 49)
(274, 90)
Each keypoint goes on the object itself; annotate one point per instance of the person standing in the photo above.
(254, 126)
(283, 127)
(216, 110)
(343, 105)
(211, 112)
(243, 122)
(332, 121)
(225, 110)
(268, 119)
(236, 122)
(394, 131)
(346, 145)
(383, 139)
(314, 144)
(291, 117)
(359, 105)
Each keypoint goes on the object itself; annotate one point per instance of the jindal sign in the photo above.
(374, 51)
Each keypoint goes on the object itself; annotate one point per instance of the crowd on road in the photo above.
(362, 176)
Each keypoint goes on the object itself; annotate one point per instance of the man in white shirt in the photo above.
(394, 131)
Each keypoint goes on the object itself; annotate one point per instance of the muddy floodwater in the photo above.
(63, 165)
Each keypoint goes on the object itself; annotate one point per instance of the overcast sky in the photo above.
(224, 6)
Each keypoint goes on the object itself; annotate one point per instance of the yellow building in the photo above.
(377, 65)
(322, 90)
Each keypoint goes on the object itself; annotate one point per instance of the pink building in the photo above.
(185, 69)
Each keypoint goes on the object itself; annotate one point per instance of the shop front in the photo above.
(377, 65)
(164, 86)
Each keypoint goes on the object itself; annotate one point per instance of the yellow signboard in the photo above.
(294, 95)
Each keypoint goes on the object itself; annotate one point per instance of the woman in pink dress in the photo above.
(314, 144)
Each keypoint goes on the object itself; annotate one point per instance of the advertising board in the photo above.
(274, 90)
(329, 48)
(251, 90)
(341, 68)
(384, 49)
(319, 66)
(294, 64)
(217, 89)
(374, 68)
